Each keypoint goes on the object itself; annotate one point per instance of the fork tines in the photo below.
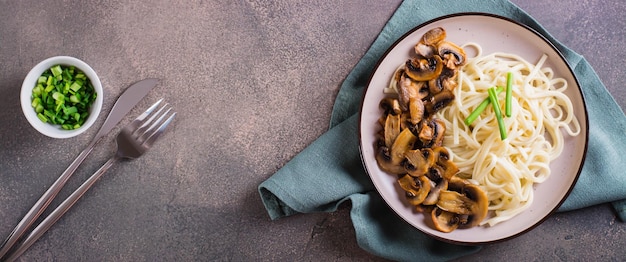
(148, 130)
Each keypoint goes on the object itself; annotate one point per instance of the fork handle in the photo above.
(60, 210)
(44, 201)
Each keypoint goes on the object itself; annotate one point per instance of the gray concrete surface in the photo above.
(254, 82)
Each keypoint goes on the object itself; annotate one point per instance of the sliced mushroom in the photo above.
(419, 161)
(433, 195)
(409, 89)
(456, 202)
(416, 188)
(444, 221)
(402, 144)
(425, 50)
(445, 80)
(424, 69)
(449, 81)
(434, 36)
(426, 132)
(392, 129)
(424, 208)
(390, 106)
(404, 122)
(440, 130)
(431, 133)
(448, 168)
(452, 55)
(384, 160)
(435, 172)
(478, 195)
(435, 85)
(439, 101)
(457, 184)
(441, 153)
(416, 110)
(479, 208)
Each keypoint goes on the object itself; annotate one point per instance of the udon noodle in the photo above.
(541, 114)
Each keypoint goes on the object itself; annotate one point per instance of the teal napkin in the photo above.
(329, 171)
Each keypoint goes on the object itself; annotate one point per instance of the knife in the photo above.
(127, 101)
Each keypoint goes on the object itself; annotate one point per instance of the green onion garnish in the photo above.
(481, 107)
(56, 70)
(62, 96)
(509, 93)
(493, 97)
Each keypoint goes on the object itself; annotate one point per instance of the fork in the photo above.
(132, 142)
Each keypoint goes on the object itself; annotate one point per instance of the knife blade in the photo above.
(125, 102)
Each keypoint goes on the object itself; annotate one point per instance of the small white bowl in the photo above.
(30, 81)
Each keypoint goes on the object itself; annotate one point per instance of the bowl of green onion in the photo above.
(61, 97)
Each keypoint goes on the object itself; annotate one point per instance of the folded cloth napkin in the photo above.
(329, 171)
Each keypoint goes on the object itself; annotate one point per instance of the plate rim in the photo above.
(578, 89)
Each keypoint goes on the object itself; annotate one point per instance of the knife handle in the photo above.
(44, 201)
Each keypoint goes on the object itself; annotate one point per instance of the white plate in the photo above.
(494, 34)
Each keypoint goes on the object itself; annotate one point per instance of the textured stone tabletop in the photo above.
(254, 84)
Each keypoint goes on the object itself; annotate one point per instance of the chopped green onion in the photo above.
(57, 96)
(49, 88)
(76, 85)
(56, 70)
(509, 94)
(48, 113)
(493, 97)
(42, 118)
(63, 96)
(38, 89)
(70, 110)
(481, 107)
(36, 101)
(74, 99)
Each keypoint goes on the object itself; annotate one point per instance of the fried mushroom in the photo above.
(455, 202)
(392, 129)
(445, 81)
(416, 110)
(409, 89)
(419, 161)
(425, 50)
(443, 167)
(439, 101)
(440, 130)
(390, 106)
(384, 160)
(478, 214)
(465, 199)
(424, 69)
(437, 185)
(452, 55)
(404, 142)
(444, 221)
(416, 188)
(434, 36)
